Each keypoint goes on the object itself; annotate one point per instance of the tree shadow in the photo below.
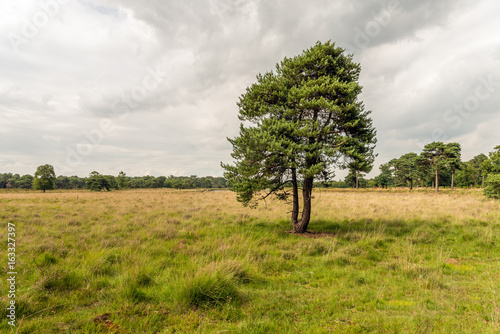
(324, 228)
(390, 228)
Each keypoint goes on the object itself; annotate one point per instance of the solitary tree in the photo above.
(304, 117)
(45, 178)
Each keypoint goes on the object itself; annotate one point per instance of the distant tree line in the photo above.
(437, 165)
(15, 181)
(97, 181)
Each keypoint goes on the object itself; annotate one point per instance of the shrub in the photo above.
(492, 186)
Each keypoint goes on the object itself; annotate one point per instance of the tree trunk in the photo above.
(411, 184)
(452, 179)
(301, 227)
(482, 184)
(357, 177)
(295, 198)
(437, 181)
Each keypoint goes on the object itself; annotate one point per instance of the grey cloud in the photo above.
(69, 77)
(379, 22)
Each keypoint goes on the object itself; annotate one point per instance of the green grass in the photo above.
(159, 261)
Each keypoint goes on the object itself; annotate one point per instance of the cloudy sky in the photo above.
(150, 87)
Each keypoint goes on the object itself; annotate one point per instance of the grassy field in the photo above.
(160, 261)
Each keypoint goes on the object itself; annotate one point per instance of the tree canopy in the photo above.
(97, 182)
(45, 178)
(491, 164)
(303, 120)
(441, 157)
(407, 168)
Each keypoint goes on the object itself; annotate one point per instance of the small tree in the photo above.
(45, 178)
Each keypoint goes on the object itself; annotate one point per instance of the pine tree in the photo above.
(304, 118)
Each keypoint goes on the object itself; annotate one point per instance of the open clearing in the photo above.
(163, 261)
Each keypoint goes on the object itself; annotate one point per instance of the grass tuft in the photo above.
(61, 281)
(213, 286)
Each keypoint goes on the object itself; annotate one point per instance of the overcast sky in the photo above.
(150, 87)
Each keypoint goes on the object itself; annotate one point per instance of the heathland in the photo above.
(165, 261)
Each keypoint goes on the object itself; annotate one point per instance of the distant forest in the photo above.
(470, 175)
(437, 162)
(15, 181)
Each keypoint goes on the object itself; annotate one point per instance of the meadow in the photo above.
(168, 261)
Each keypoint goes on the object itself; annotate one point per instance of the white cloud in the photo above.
(52, 138)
